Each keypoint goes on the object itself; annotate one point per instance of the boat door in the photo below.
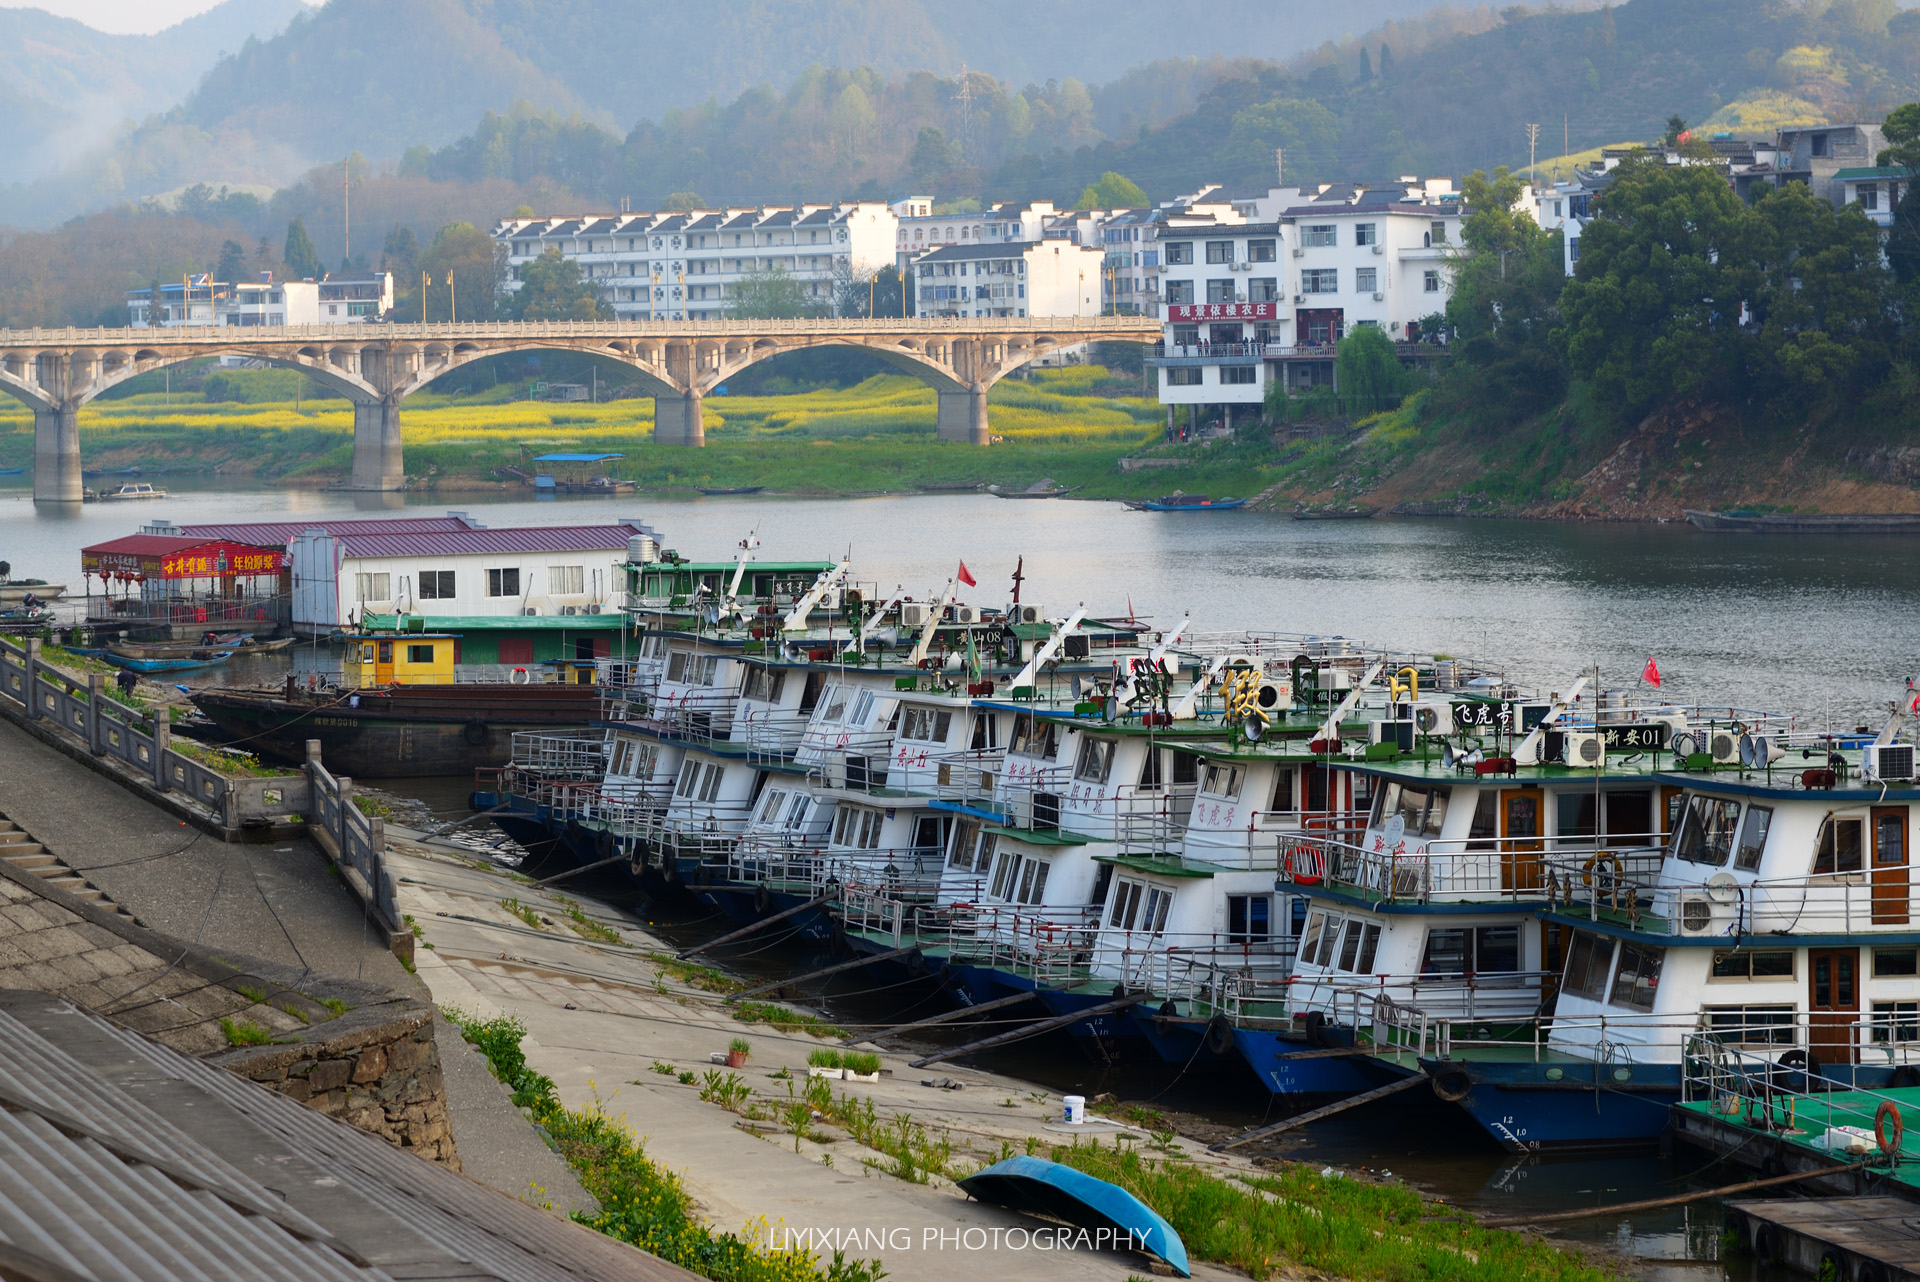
(1890, 865)
(383, 665)
(1833, 1003)
(1522, 828)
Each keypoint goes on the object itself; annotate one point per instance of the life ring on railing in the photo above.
(1889, 1128)
(475, 732)
(1304, 865)
(1452, 1084)
(519, 676)
(1591, 869)
(1219, 1035)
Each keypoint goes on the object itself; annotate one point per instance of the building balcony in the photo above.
(1176, 356)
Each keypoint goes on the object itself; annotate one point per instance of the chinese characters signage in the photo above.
(1222, 311)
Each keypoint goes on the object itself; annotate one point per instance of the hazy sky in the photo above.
(120, 15)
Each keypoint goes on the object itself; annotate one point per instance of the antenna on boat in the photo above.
(932, 624)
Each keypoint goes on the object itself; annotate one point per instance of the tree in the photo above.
(1366, 64)
(1818, 308)
(1902, 128)
(1386, 61)
(682, 202)
(1676, 126)
(401, 252)
(233, 262)
(1504, 306)
(883, 288)
(770, 294)
(554, 288)
(477, 267)
(302, 260)
(932, 154)
(1112, 191)
(1368, 372)
(1655, 305)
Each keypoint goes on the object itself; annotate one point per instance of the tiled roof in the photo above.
(558, 538)
(280, 533)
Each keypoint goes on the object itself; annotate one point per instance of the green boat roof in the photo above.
(753, 567)
(1042, 836)
(1165, 865)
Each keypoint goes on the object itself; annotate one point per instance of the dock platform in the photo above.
(1787, 1135)
(1862, 1239)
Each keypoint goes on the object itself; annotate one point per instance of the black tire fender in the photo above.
(476, 732)
(1452, 1084)
(1219, 1035)
(762, 900)
(1316, 1023)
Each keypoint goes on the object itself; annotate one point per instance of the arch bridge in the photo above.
(376, 367)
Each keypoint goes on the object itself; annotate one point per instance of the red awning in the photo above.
(166, 556)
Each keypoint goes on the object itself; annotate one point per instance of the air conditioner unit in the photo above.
(1696, 914)
(1299, 299)
(1725, 747)
(966, 614)
(1888, 761)
(914, 614)
(1032, 614)
(593, 609)
(830, 599)
(1379, 296)
(1274, 696)
(569, 609)
(1435, 717)
(1299, 252)
(1584, 749)
(531, 610)
(1378, 248)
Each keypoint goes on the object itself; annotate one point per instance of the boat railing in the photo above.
(1475, 869)
(1264, 839)
(857, 765)
(1193, 967)
(579, 753)
(1872, 899)
(966, 777)
(1761, 1090)
(769, 734)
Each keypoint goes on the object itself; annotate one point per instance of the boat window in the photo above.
(1839, 847)
(622, 757)
(1629, 818)
(1358, 946)
(861, 707)
(1249, 918)
(1186, 768)
(689, 774)
(1896, 1022)
(1589, 963)
(1436, 812)
(1222, 781)
(770, 807)
(1706, 831)
(1496, 950)
(1747, 963)
(983, 853)
(925, 725)
(1150, 770)
(710, 786)
(1446, 953)
(858, 827)
(798, 813)
(1283, 802)
(1310, 937)
(1422, 810)
(809, 694)
(1034, 736)
(1126, 903)
(1753, 837)
(1892, 963)
(985, 731)
(763, 685)
(1486, 820)
(1003, 873)
(386, 652)
(1153, 919)
(1033, 881)
(1385, 802)
(1636, 976)
(1574, 813)
(1472, 950)
(836, 702)
(1752, 1025)
(966, 834)
(1096, 760)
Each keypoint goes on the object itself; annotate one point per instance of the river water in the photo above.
(1820, 628)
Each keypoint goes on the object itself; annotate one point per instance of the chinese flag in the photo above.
(1651, 674)
(965, 577)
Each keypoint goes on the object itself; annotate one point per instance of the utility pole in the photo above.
(346, 209)
(1533, 140)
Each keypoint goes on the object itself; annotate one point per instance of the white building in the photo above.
(685, 266)
(920, 229)
(1247, 303)
(451, 565)
(1130, 259)
(356, 299)
(1043, 278)
(251, 304)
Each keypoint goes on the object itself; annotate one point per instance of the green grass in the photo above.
(640, 1202)
(1330, 1225)
(784, 1020)
(244, 1032)
(586, 927)
(693, 975)
(521, 911)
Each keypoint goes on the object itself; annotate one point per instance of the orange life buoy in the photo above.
(1889, 1128)
(1302, 867)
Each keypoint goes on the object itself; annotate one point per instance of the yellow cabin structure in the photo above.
(412, 658)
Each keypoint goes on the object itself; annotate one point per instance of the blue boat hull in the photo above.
(1266, 1051)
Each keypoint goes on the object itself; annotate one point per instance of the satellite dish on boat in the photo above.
(1394, 829)
(1722, 888)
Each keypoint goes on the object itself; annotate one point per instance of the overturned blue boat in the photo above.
(1035, 1186)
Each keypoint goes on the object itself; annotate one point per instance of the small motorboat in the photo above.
(188, 663)
(964, 487)
(1035, 1186)
(20, 591)
(1044, 488)
(738, 489)
(1177, 502)
(132, 492)
(25, 618)
(11, 471)
(1743, 522)
(234, 641)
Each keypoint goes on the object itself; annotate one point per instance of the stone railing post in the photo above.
(33, 673)
(96, 696)
(162, 743)
(343, 798)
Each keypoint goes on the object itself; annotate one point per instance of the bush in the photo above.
(1368, 372)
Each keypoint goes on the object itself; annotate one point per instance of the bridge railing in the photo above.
(383, 331)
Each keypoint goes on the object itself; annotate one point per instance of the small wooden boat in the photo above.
(1351, 512)
(1192, 503)
(738, 489)
(239, 643)
(11, 471)
(962, 488)
(1041, 489)
(211, 659)
(131, 492)
(1035, 1186)
(1738, 522)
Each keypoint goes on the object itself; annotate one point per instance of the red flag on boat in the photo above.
(965, 577)
(1651, 674)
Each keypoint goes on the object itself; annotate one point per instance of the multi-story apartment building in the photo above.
(1247, 303)
(250, 304)
(684, 266)
(347, 300)
(920, 229)
(1036, 278)
(1130, 259)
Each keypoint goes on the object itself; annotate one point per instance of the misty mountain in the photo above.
(65, 88)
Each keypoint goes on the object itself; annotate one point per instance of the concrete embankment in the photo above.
(610, 1024)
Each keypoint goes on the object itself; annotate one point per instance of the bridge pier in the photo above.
(963, 417)
(378, 462)
(677, 420)
(56, 455)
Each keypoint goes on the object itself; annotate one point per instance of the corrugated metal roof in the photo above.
(556, 538)
(280, 533)
(463, 623)
(344, 1205)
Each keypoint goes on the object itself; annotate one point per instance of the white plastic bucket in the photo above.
(1076, 1109)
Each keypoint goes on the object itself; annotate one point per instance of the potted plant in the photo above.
(824, 1061)
(737, 1051)
(860, 1066)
